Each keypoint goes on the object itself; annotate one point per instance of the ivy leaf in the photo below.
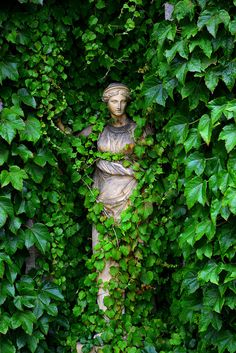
(35, 172)
(195, 191)
(163, 31)
(212, 19)
(194, 94)
(181, 72)
(208, 317)
(193, 140)
(228, 134)
(43, 156)
(187, 236)
(226, 240)
(215, 210)
(205, 128)
(205, 227)
(211, 80)
(7, 346)
(195, 65)
(6, 209)
(155, 92)
(38, 234)
(184, 8)
(15, 176)
(25, 319)
(217, 107)
(32, 130)
(190, 281)
(11, 123)
(8, 70)
(32, 343)
(230, 199)
(225, 340)
(195, 162)
(202, 43)
(147, 277)
(5, 321)
(229, 75)
(180, 48)
(26, 98)
(52, 291)
(232, 27)
(210, 272)
(22, 151)
(4, 153)
(178, 128)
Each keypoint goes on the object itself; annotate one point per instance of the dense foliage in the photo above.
(176, 243)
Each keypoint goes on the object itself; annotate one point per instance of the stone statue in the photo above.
(114, 181)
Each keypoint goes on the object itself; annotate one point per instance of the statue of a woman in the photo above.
(114, 181)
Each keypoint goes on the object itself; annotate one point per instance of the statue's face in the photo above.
(117, 105)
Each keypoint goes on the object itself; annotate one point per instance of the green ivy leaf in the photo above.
(52, 291)
(8, 70)
(25, 319)
(226, 240)
(178, 128)
(205, 227)
(190, 281)
(32, 130)
(44, 156)
(11, 123)
(4, 153)
(26, 98)
(163, 31)
(5, 322)
(32, 343)
(228, 134)
(211, 80)
(205, 128)
(22, 151)
(15, 176)
(229, 199)
(210, 272)
(212, 19)
(225, 340)
(195, 163)
(195, 191)
(38, 234)
(184, 8)
(155, 92)
(202, 43)
(193, 140)
(7, 346)
(6, 209)
(180, 48)
(194, 94)
(147, 277)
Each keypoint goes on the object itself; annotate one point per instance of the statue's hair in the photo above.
(115, 88)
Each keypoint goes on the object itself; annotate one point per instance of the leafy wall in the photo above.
(176, 243)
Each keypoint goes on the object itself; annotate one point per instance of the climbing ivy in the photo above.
(174, 288)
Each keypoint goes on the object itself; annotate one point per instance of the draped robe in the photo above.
(115, 184)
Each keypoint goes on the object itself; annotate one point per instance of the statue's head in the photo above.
(116, 95)
(116, 88)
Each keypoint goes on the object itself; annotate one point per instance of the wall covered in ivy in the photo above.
(176, 242)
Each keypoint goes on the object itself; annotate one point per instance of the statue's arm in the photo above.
(85, 132)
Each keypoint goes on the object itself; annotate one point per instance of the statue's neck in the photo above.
(118, 121)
